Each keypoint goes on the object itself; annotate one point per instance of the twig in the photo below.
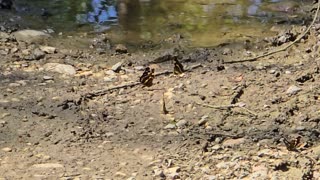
(249, 111)
(164, 109)
(105, 91)
(228, 107)
(282, 48)
(193, 67)
(218, 107)
(238, 94)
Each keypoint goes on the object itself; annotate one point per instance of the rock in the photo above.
(60, 68)
(225, 165)
(6, 149)
(216, 147)
(285, 6)
(14, 85)
(173, 170)
(260, 67)
(72, 53)
(6, 4)
(109, 79)
(292, 90)
(233, 142)
(265, 152)
(4, 37)
(259, 172)
(116, 67)
(120, 48)
(315, 152)
(48, 49)
(128, 70)
(154, 163)
(110, 72)
(14, 50)
(205, 170)
(203, 120)
(30, 36)
(2, 123)
(212, 177)
(158, 173)
(170, 126)
(272, 71)
(120, 174)
(226, 51)
(48, 166)
(130, 178)
(47, 78)
(174, 176)
(109, 134)
(5, 115)
(22, 82)
(139, 68)
(182, 123)
(38, 54)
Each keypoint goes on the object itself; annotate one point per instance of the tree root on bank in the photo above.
(228, 107)
(264, 54)
(132, 84)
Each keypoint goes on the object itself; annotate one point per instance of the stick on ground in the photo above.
(264, 54)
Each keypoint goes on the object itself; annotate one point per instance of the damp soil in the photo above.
(221, 120)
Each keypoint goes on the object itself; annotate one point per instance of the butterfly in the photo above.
(178, 67)
(147, 77)
(294, 144)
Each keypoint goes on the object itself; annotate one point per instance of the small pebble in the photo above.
(170, 126)
(203, 120)
(6, 149)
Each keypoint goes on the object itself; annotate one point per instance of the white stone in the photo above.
(181, 123)
(203, 120)
(116, 67)
(60, 68)
(170, 126)
(233, 142)
(158, 173)
(109, 78)
(48, 165)
(46, 78)
(48, 49)
(30, 36)
(6, 149)
(292, 90)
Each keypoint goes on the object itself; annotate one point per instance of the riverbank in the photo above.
(78, 113)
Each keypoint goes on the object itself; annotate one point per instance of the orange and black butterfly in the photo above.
(294, 144)
(147, 77)
(178, 67)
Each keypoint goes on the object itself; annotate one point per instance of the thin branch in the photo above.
(282, 48)
(228, 107)
(132, 84)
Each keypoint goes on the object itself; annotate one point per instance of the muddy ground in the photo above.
(249, 120)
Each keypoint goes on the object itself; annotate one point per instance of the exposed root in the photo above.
(264, 54)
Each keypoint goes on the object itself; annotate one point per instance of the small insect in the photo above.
(164, 108)
(294, 144)
(147, 77)
(145, 74)
(178, 67)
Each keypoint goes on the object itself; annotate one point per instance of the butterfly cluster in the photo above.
(148, 75)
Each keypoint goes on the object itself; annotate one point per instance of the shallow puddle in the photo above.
(205, 22)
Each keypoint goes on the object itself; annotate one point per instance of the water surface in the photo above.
(205, 22)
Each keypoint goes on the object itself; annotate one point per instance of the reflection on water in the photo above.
(102, 12)
(206, 22)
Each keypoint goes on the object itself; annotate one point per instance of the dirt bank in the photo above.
(73, 113)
